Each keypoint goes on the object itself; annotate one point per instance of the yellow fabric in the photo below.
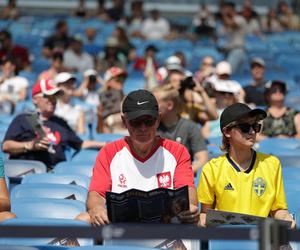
(234, 191)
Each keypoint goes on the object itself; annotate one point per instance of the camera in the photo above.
(187, 83)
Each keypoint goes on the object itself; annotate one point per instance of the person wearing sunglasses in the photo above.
(282, 121)
(243, 180)
(141, 160)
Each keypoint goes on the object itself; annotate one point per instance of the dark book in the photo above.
(159, 205)
(217, 218)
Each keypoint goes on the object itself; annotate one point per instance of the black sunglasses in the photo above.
(136, 123)
(246, 127)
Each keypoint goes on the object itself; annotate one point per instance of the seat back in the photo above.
(75, 167)
(49, 190)
(74, 179)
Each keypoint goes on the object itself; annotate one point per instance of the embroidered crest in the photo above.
(164, 180)
(122, 181)
(259, 186)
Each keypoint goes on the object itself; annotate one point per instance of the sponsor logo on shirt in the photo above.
(259, 186)
(122, 181)
(228, 187)
(164, 180)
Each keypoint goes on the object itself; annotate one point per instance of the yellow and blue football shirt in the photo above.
(256, 191)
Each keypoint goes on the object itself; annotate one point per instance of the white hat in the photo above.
(173, 63)
(229, 86)
(223, 68)
(90, 72)
(63, 77)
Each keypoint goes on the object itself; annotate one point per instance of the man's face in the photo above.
(257, 72)
(142, 130)
(45, 104)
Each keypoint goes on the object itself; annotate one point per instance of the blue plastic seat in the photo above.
(49, 190)
(39, 242)
(291, 173)
(20, 168)
(292, 160)
(75, 167)
(88, 155)
(232, 245)
(74, 179)
(46, 208)
(117, 247)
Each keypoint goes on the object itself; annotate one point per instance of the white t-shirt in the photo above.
(81, 62)
(155, 29)
(13, 86)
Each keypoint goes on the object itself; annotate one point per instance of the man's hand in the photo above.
(189, 216)
(98, 216)
(202, 221)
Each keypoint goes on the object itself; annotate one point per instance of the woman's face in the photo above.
(276, 94)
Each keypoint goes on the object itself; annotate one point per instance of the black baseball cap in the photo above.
(238, 111)
(138, 103)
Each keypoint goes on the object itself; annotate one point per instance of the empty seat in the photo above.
(75, 167)
(46, 208)
(74, 179)
(49, 190)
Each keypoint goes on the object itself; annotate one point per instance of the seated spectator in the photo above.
(111, 57)
(9, 49)
(75, 59)
(13, 88)
(270, 23)
(155, 27)
(116, 12)
(111, 96)
(140, 63)
(72, 114)
(59, 40)
(80, 10)
(178, 129)
(282, 121)
(4, 195)
(57, 66)
(42, 136)
(135, 20)
(287, 19)
(242, 174)
(10, 11)
(88, 90)
(251, 18)
(254, 92)
(206, 69)
(124, 44)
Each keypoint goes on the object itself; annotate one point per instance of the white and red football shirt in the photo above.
(118, 168)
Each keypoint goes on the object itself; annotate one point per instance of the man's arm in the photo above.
(204, 208)
(96, 209)
(4, 196)
(92, 144)
(283, 214)
(16, 147)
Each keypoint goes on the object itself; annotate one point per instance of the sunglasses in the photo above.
(246, 127)
(137, 123)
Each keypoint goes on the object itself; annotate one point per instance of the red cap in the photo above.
(44, 87)
(113, 72)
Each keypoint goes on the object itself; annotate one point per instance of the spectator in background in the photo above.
(206, 69)
(59, 40)
(5, 213)
(72, 114)
(251, 18)
(56, 67)
(80, 10)
(282, 121)
(42, 136)
(116, 12)
(111, 96)
(140, 63)
(13, 88)
(155, 27)
(233, 28)
(287, 19)
(254, 92)
(75, 59)
(10, 11)
(135, 20)
(270, 23)
(124, 44)
(242, 174)
(111, 57)
(9, 49)
(100, 11)
(178, 129)
(88, 90)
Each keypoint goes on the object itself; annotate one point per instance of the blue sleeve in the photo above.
(1, 166)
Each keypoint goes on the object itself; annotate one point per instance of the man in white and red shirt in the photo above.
(142, 160)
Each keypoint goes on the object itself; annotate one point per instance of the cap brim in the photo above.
(136, 114)
(258, 113)
(55, 91)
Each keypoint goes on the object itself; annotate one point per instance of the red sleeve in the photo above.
(184, 174)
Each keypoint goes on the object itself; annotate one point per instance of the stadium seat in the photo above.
(46, 208)
(39, 242)
(290, 173)
(292, 189)
(17, 169)
(232, 245)
(290, 160)
(123, 247)
(49, 190)
(88, 155)
(75, 167)
(74, 179)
